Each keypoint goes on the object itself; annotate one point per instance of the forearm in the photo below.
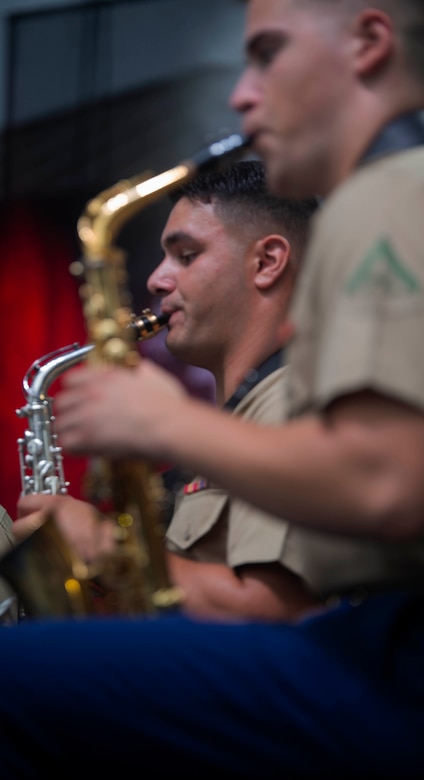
(311, 471)
(354, 469)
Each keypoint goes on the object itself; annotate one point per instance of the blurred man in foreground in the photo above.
(332, 97)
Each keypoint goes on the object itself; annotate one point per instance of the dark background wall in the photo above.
(98, 91)
(90, 93)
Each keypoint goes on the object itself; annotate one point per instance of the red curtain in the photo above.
(40, 311)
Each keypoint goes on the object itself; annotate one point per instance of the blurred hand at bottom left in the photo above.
(89, 534)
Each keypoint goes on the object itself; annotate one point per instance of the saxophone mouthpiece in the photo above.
(147, 324)
(223, 149)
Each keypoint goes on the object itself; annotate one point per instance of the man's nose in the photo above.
(237, 99)
(242, 95)
(160, 281)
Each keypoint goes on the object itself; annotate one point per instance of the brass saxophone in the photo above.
(136, 574)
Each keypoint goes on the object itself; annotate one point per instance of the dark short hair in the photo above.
(240, 195)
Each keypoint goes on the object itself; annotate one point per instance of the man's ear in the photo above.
(374, 41)
(272, 255)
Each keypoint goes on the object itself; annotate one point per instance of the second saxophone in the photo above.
(40, 456)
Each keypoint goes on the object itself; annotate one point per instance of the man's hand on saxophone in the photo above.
(101, 411)
(77, 520)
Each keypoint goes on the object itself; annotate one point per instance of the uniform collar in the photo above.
(404, 132)
(255, 375)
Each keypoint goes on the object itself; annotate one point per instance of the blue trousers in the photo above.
(339, 695)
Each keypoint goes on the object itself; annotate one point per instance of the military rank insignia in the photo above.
(196, 486)
(382, 269)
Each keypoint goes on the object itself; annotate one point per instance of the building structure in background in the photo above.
(92, 92)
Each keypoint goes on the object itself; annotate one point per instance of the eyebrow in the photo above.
(175, 238)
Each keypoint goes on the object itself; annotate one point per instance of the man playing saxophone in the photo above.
(231, 255)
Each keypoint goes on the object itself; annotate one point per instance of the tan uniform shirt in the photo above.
(209, 526)
(359, 323)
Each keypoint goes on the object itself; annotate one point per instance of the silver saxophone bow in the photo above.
(40, 456)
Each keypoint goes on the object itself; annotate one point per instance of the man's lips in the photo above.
(252, 132)
(171, 314)
(258, 145)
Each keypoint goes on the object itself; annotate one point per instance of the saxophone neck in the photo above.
(42, 373)
(105, 214)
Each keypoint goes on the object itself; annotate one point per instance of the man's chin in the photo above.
(285, 184)
(276, 183)
(186, 353)
(276, 180)
(177, 348)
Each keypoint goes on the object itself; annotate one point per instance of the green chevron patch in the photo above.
(383, 270)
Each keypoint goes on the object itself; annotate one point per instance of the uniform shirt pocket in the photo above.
(198, 528)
